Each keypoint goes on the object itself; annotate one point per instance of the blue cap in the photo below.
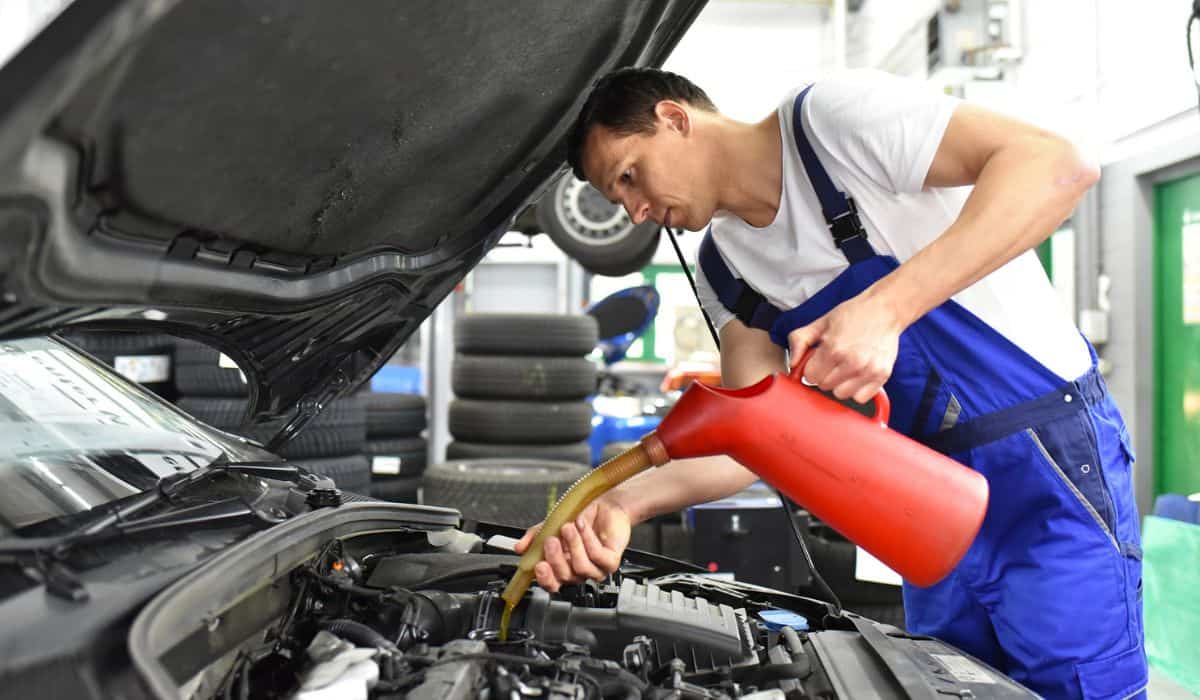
(778, 619)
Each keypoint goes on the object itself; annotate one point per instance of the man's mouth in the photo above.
(667, 219)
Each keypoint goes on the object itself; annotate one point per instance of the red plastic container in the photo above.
(915, 509)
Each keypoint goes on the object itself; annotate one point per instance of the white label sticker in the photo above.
(964, 670)
(868, 568)
(143, 369)
(385, 465)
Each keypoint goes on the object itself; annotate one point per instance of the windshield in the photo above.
(74, 435)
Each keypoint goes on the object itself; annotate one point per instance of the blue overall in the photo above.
(1050, 591)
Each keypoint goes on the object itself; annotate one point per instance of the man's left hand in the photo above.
(856, 345)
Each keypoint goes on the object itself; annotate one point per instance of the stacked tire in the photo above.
(397, 452)
(520, 421)
(521, 382)
(836, 559)
(214, 390)
(515, 492)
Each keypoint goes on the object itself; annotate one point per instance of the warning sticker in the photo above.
(385, 465)
(964, 670)
(143, 369)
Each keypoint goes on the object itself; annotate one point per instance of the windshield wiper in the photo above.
(44, 556)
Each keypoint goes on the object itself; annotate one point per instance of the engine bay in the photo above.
(370, 612)
(421, 626)
(425, 625)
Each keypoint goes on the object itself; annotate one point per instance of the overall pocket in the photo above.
(1068, 446)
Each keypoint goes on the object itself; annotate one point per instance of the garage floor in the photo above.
(1163, 688)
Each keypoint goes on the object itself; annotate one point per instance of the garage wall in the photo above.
(1112, 70)
(748, 55)
(1114, 76)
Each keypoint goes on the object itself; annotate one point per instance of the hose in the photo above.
(625, 465)
(358, 633)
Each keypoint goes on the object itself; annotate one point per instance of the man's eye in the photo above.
(627, 176)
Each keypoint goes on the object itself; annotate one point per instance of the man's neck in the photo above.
(751, 186)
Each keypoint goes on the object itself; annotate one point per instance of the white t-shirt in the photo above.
(876, 135)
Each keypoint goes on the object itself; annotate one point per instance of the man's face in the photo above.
(654, 176)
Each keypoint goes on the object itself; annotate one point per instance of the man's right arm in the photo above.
(591, 547)
(747, 356)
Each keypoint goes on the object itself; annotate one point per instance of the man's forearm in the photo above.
(678, 484)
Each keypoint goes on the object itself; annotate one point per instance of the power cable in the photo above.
(788, 506)
(1191, 60)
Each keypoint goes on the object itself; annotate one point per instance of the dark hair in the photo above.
(624, 102)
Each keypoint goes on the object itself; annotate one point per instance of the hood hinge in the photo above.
(307, 409)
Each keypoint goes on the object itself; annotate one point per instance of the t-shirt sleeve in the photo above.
(886, 127)
(717, 313)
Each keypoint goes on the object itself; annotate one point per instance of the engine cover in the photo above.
(704, 636)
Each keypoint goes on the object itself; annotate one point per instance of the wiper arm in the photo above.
(169, 487)
(44, 555)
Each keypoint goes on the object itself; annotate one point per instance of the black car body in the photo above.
(299, 184)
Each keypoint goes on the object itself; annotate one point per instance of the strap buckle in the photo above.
(848, 225)
(746, 304)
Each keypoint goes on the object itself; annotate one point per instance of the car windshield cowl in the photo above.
(173, 501)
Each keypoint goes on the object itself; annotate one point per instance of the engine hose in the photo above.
(358, 633)
(611, 686)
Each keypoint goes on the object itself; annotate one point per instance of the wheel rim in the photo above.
(588, 216)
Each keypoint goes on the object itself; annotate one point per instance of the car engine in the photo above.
(424, 625)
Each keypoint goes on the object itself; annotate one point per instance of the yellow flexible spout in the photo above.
(647, 453)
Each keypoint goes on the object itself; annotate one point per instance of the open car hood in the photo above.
(296, 182)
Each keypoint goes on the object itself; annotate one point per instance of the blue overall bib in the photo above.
(1050, 591)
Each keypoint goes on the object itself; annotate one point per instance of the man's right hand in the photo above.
(590, 547)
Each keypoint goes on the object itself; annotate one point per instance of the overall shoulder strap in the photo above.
(841, 215)
(734, 294)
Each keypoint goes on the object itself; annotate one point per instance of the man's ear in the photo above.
(674, 116)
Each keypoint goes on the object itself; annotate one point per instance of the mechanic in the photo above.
(844, 222)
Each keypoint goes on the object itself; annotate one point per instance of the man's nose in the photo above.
(638, 210)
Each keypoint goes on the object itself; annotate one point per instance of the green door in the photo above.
(1177, 321)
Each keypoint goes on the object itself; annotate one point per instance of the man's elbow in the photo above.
(1075, 172)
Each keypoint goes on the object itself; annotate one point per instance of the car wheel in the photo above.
(397, 456)
(508, 377)
(510, 422)
(592, 230)
(526, 334)
(210, 380)
(394, 415)
(401, 489)
(338, 430)
(577, 452)
(835, 558)
(190, 352)
(516, 492)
